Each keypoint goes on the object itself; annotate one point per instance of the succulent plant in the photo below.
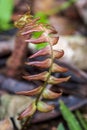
(28, 25)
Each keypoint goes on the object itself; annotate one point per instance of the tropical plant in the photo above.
(29, 25)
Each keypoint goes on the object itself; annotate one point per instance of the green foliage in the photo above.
(71, 120)
(69, 117)
(6, 7)
(43, 19)
(60, 127)
(82, 120)
(42, 45)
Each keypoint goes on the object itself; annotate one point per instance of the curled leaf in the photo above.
(30, 31)
(41, 76)
(33, 29)
(31, 92)
(28, 28)
(29, 111)
(43, 107)
(37, 41)
(53, 40)
(48, 94)
(58, 53)
(57, 68)
(42, 64)
(46, 51)
(50, 31)
(53, 80)
(41, 52)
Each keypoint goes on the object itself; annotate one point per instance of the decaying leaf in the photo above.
(42, 52)
(42, 64)
(46, 51)
(29, 111)
(31, 92)
(37, 41)
(41, 76)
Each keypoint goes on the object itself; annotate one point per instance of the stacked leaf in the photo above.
(28, 25)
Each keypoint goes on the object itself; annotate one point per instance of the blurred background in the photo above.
(69, 18)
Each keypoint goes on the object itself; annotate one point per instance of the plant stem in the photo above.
(50, 70)
(27, 122)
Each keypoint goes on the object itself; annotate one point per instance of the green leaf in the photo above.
(69, 117)
(28, 112)
(6, 8)
(82, 120)
(37, 34)
(60, 127)
(43, 19)
(40, 46)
